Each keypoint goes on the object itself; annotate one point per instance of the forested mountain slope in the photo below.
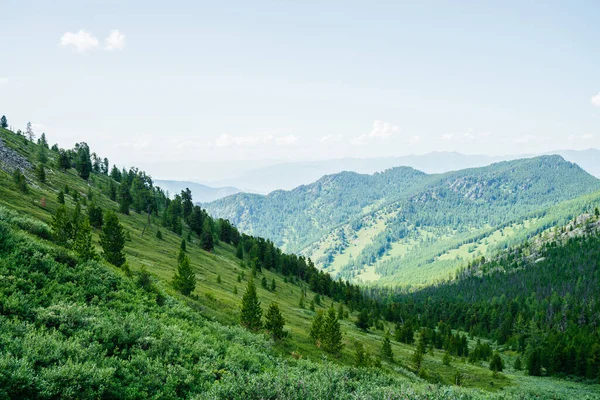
(98, 300)
(383, 226)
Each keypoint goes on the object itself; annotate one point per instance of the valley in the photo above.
(152, 314)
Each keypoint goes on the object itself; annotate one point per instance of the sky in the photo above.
(182, 88)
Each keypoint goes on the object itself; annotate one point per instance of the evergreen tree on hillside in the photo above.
(40, 173)
(251, 313)
(361, 358)
(274, 322)
(115, 173)
(124, 198)
(534, 361)
(186, 202)
(112, 190)
(95, 216)
(62, 227)
(112, 239)
(20, 180)
(331, 333)
(183, 246)
(29, 132)
(206, 240)
(42, 152)
(386, 348)
(240, 250)
(185, 279)
(64, 162)
(4, 122)
(362, 322)
(496, 365)
(316, 328)
(83, 241)
(83, 163)
(60, 197)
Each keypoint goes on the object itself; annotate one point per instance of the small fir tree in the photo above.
(112, 239)
(251, 312)
(274, 322)
(184, 279)
(206, 239)
(40, 173)
(386, 348)
(496, 365)
(83, 241)
(60, 197)
(332, 333)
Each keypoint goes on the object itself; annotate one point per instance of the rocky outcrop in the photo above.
(11, 160)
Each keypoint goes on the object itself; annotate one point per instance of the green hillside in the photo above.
(71, 328)
(406, 227)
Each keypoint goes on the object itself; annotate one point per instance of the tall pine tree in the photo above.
(274, 322)
(185, 279)
(83, 241)
(112, 239)
(331, 333)
(206, 240)
(251, 312)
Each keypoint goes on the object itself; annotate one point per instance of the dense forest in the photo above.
(349, 221)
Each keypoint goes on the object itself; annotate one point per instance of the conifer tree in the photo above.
(4, 122)
(183, 246)
(95, 215)
(124, 198)
(496, 365)
(40, 173)
(64, 162)
(29, 132)
(240, 250)
(184, 280)
(206, 240)
(61, 197)
(251, 313)
(274, 322)
(361, 358)
(362, 322)
(112, 239)
(518, 365)
(61, 226)
(386, 348)
(83, 241)
(316, 328)
(273, 285)
(331, 333)
(42, 153)
(83, 163)
(263, 282)
(446, 359)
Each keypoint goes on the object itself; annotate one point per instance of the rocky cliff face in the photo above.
(11, 160)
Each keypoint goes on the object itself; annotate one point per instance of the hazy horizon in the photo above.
(202, 84)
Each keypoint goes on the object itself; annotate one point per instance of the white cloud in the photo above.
(114, 41)
(82, 41)
(226, 140)
(526, 139)
(289, 140)
(135, 144)
(414, 139)
(465, 137)
(596, 100)
(586, 136)
(381, 130)
(332, 138)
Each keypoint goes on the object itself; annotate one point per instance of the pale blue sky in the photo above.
(202, 81)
